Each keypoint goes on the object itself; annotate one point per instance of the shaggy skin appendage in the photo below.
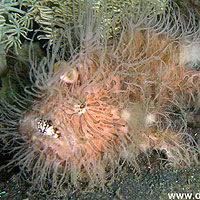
(119, 97)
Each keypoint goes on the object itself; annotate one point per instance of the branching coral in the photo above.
(54, 16)
(114, 99)
(14, 23)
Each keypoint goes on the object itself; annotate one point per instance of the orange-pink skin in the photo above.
(84, 135)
